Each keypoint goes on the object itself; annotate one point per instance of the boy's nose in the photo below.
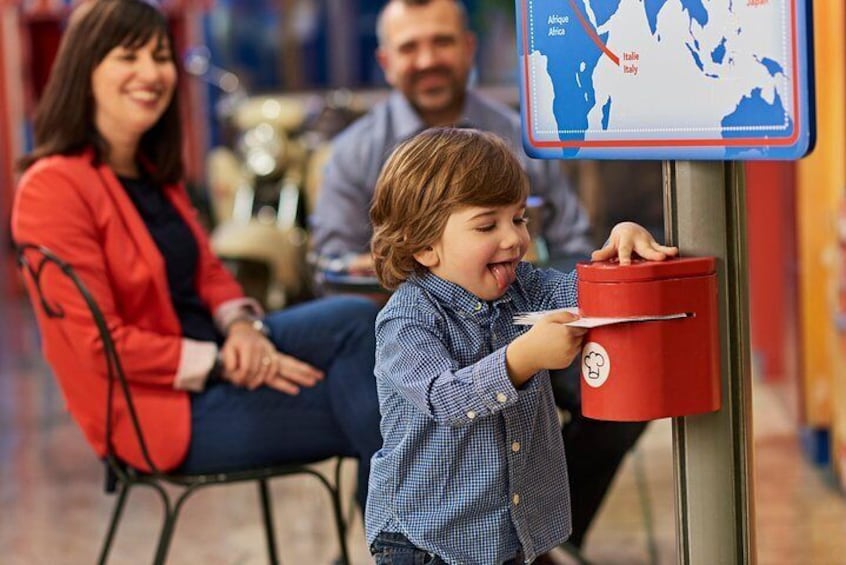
(512, 237)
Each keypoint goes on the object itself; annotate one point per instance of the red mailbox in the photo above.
(645, 370)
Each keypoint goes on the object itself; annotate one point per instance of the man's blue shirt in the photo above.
(340, 223)
(471, 468)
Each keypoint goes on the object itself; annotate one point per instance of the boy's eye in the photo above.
(486, 227)
(522, 220)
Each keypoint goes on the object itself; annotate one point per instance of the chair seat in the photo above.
(240, 475)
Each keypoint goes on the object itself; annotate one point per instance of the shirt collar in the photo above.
(407, 123)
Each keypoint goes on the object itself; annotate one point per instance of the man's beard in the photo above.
(453, 87)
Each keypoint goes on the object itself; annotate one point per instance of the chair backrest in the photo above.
(33, 261)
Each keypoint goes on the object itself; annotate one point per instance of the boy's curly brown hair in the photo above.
(426, 179)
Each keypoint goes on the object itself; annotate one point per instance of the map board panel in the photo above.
(665, 79)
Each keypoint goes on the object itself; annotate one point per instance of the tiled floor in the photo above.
(53, 509)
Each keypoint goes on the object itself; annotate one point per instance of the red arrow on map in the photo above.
(590, 31)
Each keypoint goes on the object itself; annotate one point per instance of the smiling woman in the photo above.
(132, 87)
(217, 384)
(102, 37)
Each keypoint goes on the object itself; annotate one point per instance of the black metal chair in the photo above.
(33, 260)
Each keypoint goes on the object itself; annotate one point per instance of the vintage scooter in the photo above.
(260, 185)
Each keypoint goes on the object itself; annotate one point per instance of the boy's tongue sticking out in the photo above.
(504, 274)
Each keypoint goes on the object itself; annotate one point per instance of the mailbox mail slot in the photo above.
(647, 370)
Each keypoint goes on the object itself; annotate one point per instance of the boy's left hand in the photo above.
(628, 237)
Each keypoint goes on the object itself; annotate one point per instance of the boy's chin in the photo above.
(483, 291)
(490, 295)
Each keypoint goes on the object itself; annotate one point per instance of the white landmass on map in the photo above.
(657, 97)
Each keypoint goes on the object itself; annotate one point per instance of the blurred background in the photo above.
(270, 83)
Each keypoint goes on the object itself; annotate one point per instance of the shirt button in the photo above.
(515, 498)
(477, 307)
(471, 414)
(515, 447)
(501, 398)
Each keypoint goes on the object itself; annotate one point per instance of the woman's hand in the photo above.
(251, 360)
(291, 374)
(628, 237)
(248, 357)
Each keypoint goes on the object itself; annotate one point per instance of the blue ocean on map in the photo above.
(573, 98)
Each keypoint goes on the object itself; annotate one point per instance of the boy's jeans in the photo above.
(394, 549)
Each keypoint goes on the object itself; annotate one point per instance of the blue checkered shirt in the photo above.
(471, 469)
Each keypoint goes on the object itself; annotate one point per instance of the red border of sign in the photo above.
(734, 141)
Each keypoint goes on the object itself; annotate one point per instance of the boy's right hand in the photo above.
(549, 344)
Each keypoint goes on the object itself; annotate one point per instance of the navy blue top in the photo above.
(179, 250)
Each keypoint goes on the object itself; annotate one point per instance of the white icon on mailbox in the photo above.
(596, 364)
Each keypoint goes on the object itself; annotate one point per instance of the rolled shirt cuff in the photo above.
(195, 363)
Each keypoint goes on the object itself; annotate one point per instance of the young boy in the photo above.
(472, 469)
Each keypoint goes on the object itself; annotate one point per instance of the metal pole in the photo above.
(704, 211)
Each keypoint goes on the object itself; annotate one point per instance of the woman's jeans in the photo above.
(235, 428)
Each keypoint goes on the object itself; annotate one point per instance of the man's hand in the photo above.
(361, 264)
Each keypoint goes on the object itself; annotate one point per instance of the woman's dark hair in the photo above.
(64, 117)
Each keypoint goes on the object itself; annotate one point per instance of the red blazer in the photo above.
(82, 213)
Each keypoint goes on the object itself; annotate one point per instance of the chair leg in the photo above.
(335, 493)
(117, 512)
(168, 524)
(267, 513)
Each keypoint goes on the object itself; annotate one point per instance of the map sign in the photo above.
(665, 79)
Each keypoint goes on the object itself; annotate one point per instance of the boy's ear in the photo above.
(428, 257)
